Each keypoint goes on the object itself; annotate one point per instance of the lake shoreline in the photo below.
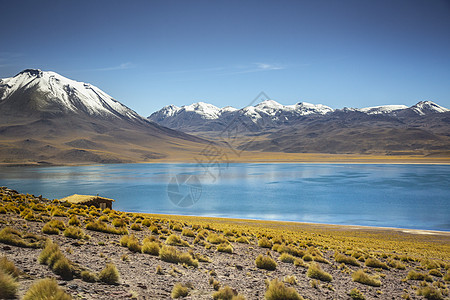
(281, 223)
(263, 157)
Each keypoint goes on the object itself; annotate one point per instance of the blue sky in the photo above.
(148, 54)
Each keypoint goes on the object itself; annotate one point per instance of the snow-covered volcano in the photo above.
(34, 91)
(48, 118)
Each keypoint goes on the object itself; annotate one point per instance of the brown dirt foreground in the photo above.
(397, 253)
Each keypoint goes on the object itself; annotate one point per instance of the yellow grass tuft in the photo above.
(46, 289)
(8, 286)
(179, 290)
(265, 262)
(364, 278)
(278, 291)
(315, 272)
(109, 274)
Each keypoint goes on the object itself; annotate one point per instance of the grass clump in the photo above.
(119, 222)
(298, 262)
(74, 221)
(429, 264)
(435, 272)
(88, 276)
(133, 244)
(56, 224)
(175, 240)
(8, 267)
(151, 248)
(227, 248)
(8, 286)
(74, 233)
(49, 250)
(375, 263)
(46, 289)
(396, 264)
(364, 278)
(315, 272)
(413, 275)
(227, 293)
(264, 243)
(348, 260)
(242, 240)
(276, 290)
(447, 276)
(16, 238)
(64, 268)
(136, 227)
(170, 254)
(356, 294)
(430, 293)
(216, 239)
(179, 290)
(188, 232)
(47, 229)
(109, 274)
(287, 258)
(102, 227)
(291, 279)
(52, 256)
(265, 262)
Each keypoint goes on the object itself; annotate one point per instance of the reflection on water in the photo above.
(409, 196)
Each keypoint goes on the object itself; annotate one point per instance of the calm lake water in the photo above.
(405, 196)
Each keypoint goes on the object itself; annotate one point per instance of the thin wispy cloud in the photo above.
(195, 70)
(230, 70)
(123, 66)
(257, 67)
(267, 67)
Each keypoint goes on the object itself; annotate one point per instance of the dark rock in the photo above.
(142, 286)
(6, 248)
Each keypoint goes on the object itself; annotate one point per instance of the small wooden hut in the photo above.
(97, 201)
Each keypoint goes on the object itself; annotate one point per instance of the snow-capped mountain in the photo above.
(270, 114)
(35, 91)
(426, 107)
(47, 118)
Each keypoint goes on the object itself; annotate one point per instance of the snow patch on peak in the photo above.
(305, 108)
(169, 110)
(382, 109)
(269, 104)
(424, 107)
(228, 109)
(206, 110)
(252, 112)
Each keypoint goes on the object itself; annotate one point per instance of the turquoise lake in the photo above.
(403, 196)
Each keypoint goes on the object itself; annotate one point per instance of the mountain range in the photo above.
(422, 129)
(47, 118)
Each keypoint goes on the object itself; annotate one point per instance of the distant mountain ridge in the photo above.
(422, 129)
(202, 116)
